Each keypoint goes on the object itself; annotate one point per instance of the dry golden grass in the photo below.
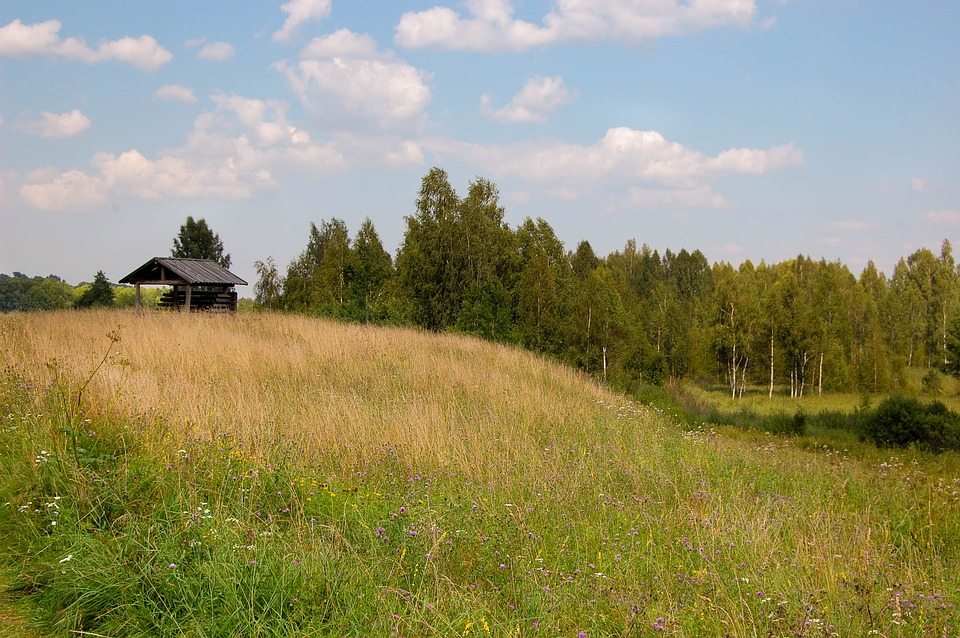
(325, 389)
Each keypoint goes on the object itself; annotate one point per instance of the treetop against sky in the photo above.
(745, 128)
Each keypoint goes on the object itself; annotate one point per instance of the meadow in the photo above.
(276, 475)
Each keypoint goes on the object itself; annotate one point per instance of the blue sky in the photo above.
(745, 128)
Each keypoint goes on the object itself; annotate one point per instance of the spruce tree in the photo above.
(196, 240)
(100, 293)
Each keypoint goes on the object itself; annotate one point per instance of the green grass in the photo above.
(633, 524)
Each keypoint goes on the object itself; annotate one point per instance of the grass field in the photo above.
(264, 475)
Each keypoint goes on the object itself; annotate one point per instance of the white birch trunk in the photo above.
(771, 364)
(820, 377)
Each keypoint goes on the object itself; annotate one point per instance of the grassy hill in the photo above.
(262, 475)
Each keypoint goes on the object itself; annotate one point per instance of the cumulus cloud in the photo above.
(175, 93)
(342, 80)
(299, 12)
(216, 52)
(943, 217)
(491, 26)
(539, 97)
(18, 39)
(232, 152)
(647, 168)
(625, 153)
(52, 125)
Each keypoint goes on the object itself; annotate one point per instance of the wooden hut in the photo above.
(196, 284)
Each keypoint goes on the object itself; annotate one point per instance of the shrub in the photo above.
(901, 421)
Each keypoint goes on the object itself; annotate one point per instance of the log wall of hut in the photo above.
(211, 298)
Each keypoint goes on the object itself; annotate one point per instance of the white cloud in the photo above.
(540, 97)
(683, 197)
(646, 168)
(175, 93)
(850, 226)
(731, 250)
(216, 52)
(624, 153)
(299, 12)
(232, 152)
(18, 39)
(47, 189)
(491, 26)
(918, 185)
(343, 80)
(944, 217)
(60, 124)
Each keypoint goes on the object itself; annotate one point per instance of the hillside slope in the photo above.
(345, 480)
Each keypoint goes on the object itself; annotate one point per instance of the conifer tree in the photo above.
(100, 293)
(196, 240)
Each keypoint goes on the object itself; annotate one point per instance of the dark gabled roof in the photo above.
(181, 270)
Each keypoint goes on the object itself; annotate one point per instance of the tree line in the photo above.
(19, 292)
(798, 326)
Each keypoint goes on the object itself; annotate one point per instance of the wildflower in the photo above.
(380, 532)
(403, 509)
(535, 623)
(658, 624)
(581, 634)
(172, 566)
(502, 566)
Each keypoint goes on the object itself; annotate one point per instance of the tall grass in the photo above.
(330, 392)
(284, 476)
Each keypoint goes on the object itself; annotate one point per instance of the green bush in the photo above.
(902, 421)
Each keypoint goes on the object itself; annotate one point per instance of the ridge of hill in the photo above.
(278, 475)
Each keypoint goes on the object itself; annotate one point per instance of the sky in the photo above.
(747, 129)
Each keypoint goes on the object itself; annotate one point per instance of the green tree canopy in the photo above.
(196, 240)
(100, 293)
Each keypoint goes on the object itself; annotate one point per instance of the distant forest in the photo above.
(20, 292)
(798, 326)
